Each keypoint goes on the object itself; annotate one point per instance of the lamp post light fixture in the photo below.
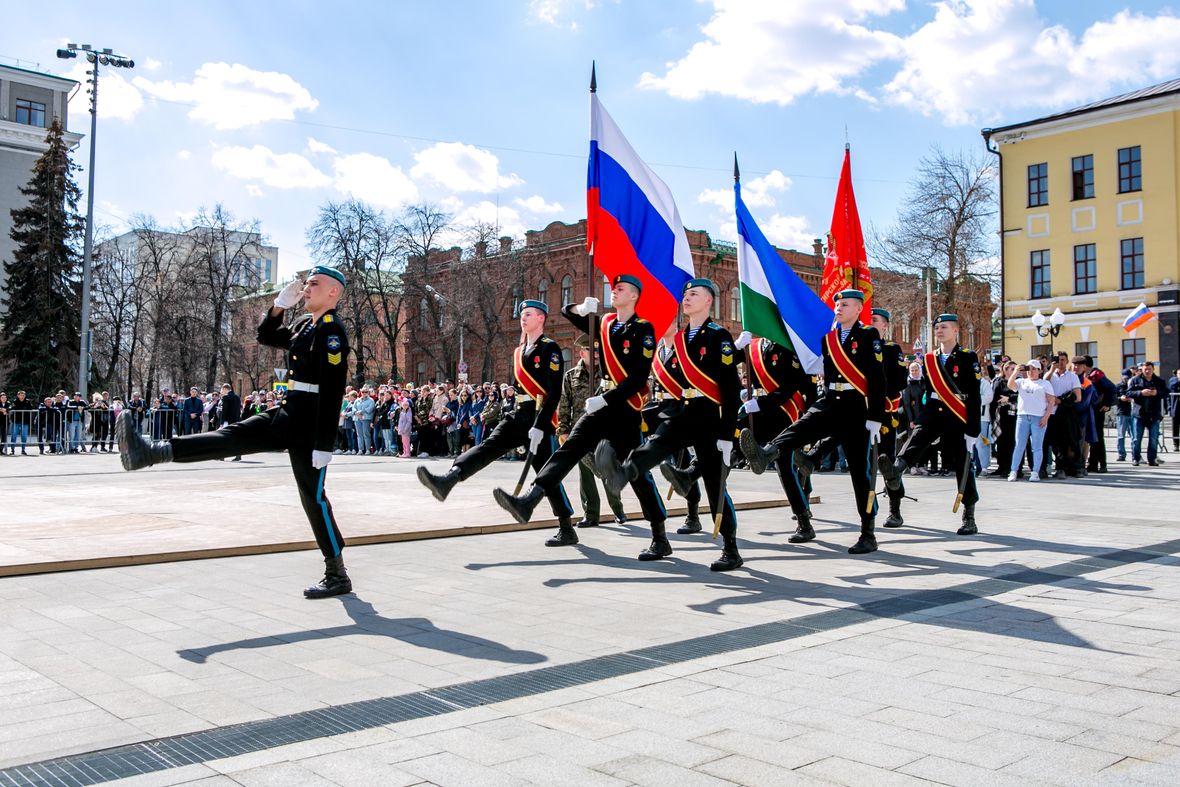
(1055, 322)
(96, 58)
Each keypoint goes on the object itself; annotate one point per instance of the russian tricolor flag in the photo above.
(1141, 315)
(633, 224)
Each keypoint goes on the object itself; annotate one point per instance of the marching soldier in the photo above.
(705, 379)
(537, 367)
(951, 415)
(304, 424)
(662, 406)
(626, 345)
(575, 390)
(852, 409)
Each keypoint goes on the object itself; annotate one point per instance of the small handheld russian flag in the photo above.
(1138, 317)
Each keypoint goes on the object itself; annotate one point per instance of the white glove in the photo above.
(743, 340)
(535, 436)
(289, 295)
(726, 448)
(970, 441)
(588, 306)
(594, 404)
(752, 406)
(320, 459)
(874, 430)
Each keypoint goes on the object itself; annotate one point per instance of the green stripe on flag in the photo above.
(760, 316)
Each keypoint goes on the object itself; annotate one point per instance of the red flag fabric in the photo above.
(846, 264)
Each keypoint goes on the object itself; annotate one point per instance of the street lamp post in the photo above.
(96, 57)
(438, 296)
(1055, 322)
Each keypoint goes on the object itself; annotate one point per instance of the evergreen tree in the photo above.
(39, 334)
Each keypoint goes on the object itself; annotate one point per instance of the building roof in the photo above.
(42, 74)
(1170, 87)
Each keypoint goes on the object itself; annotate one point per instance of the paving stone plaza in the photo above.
(1045, 650)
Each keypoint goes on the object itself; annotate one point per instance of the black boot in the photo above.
(891, 471)
(730, 559)
(968, 527)
(692, 522)
(659, 548)
(566, 535)
(805, 465)
(867, 541)
(587, 522)
(679, 478)
(135, 451)
(439, 485)
(335, 581)
(758, 457)
(804, 532)
(894, 519)
(521, 507)
(614, 475)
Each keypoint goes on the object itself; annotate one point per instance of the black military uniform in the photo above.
(575, 390)
(538, 370)
(630, 345)
(953, 377)
(304, 422)
(662, 405)
(854, 392)
(705, 370)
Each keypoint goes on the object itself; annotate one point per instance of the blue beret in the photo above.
(860, 296)
(881, 312)
(706, 283)
(627, 278)
(946, 318)
(324, 270)
(533, 304)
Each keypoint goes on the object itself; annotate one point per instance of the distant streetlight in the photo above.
(96, 57)
(1055, 322)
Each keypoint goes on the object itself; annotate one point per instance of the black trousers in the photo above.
(1006, 442)
(272, 430)
(769, 424)
(948, 430)
(618, 423)
(695, 426)
(887, 447)
(588, 492)
(841, 416)
(512, 433)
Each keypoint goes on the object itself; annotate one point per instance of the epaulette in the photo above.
(327, 318)
(712, 326)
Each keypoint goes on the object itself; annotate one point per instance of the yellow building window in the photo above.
(1083, 177)
(1130, 170)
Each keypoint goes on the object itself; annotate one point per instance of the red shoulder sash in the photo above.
(665, 377)
(696, 378)
(942, 386)
(844, 364)
(525, 380)
(614, 367)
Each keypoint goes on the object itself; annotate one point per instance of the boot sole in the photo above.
(502, 498)
(327, 594)
(669, 474)
(727, 567)
(796, 539)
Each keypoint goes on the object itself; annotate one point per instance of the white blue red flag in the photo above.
(633, 224)
(1141, 314)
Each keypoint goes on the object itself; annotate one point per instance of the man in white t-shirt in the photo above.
(1035, 404)
(1064, 437)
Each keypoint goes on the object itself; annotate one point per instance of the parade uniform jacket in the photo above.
(962, 371)
(897, 374)
(575, 390)
(783, 366)
(633, 343)
(544, 364)
(864, 348)
(317, 354)
(712, 353)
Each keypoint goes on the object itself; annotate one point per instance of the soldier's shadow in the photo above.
(419, 632)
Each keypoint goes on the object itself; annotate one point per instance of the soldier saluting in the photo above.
(705, 379)
(537, 366)
(852, 409)
(951, 415)
(304, 424)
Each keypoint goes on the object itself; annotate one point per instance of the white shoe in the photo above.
(1012, 476)
(1034, 478)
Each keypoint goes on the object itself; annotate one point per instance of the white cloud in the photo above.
(253, 190)
(537, 204)
(786, 232)
(315, 146)
(977, 58)
(777, 51)
(460, 167)
(487, 212)
(117, 99)
(756, 192)
(149, 64)
(234, 96)
(184, 155)
(374, 179)
(545, 10)
(277, 170)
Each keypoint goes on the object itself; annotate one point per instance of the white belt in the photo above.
(934, 395)
(606, 385)
(295, 385)
(760, 392)
(665, 396)
(690, 393)
(539, 399)
(841, 387)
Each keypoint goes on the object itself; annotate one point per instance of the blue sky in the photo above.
(273, 108)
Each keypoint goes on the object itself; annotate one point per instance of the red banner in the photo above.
(846, 265)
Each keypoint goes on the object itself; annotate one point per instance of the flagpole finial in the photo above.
(593, 78)
(846, 146)
(736, 174)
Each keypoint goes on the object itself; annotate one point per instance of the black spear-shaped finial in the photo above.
(736, 175)
(593, 79)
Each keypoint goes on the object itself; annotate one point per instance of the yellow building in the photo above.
(1089, 217)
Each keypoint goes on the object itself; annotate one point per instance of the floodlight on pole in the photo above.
(107, 58)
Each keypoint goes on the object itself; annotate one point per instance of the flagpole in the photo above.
(737, 181)
(593, 328)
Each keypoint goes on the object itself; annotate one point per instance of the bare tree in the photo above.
(945, 224)
(482, 289)
(158, 259)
